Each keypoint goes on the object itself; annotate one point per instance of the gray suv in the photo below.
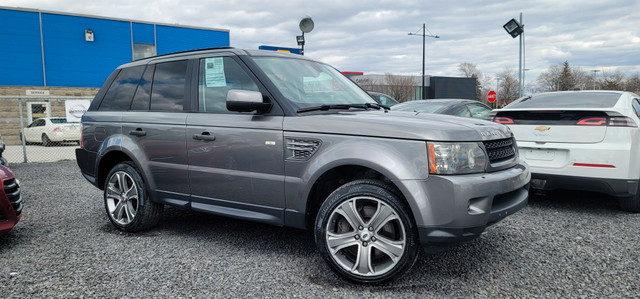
(289, 141)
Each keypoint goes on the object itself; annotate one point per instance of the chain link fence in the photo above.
(41, 128)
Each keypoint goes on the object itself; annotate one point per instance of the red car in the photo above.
(10, 200)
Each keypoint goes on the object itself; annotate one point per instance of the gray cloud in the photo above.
(372, 36)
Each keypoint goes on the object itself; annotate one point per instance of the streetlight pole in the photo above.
(517, 29)
(594, 78)
(497, 92)
(424, 35)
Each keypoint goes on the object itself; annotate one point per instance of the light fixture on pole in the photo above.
(515, 29)
(424, 34)
(594, 78)
(306, 25)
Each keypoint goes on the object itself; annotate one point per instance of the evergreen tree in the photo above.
(566, 78)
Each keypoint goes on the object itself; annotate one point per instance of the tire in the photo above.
(126, 200)
(631, 203)
(45, 140)
(348, 226)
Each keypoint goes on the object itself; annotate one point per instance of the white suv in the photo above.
(580, 140)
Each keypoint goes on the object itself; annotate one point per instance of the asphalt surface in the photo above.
(565, 245)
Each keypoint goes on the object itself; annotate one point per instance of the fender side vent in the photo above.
(301, 149)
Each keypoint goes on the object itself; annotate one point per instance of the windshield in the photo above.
(307, 83)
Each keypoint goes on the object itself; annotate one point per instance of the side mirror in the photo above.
(246, 101)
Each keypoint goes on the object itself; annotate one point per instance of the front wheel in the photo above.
(125, 198)
(365, 232)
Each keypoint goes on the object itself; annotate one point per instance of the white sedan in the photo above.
(50, 130)
(580, 140)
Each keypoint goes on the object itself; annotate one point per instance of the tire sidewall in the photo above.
(136, 224)
(381, 192)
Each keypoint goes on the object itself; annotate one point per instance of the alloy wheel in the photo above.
(122, 198)
(365, 236)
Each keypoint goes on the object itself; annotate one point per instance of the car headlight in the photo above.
(456, 158)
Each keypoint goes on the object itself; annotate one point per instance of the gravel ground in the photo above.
(562, 245)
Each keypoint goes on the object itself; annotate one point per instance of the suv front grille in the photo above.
(12, 190)
(500, 149)
(301, 149)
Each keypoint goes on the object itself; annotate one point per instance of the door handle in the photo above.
(138, 132)
(205, 136)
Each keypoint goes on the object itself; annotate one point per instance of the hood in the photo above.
(398, 124)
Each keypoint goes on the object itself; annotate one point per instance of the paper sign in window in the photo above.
(214, 72)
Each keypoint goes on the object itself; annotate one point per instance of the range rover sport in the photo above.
(285, 140)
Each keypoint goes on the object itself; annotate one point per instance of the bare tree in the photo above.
(582, 79)
(550, 80)
(469, 70)
(613, 81)
(633, 83)
(508, 88)
(402, 88)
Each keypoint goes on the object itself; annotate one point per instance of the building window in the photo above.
(143, 51)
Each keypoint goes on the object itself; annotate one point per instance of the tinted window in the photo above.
(143, 93)
(460, 111)
(119, 95)
(59, 120)
(568, 100)
(479, 111)
(168, 91)
(218, 75)
(387, 101)
(636, 107)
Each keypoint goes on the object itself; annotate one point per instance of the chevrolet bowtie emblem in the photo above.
(542, 128)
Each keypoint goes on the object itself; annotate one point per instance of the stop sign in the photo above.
(491, 96)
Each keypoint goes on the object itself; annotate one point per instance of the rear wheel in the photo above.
(126, 201)
(365, 232)
(45, 140)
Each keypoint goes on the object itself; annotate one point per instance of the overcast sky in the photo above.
(372, 36)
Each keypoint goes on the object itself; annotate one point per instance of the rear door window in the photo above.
(169, 89)
(120, 93)
(143, 93)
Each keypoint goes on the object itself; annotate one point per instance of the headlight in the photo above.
(456, 158)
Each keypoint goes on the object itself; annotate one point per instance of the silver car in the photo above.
(289, 141)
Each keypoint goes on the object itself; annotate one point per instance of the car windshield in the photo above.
(308, 84)
(567, 100)
(423, 107)
(59, 120)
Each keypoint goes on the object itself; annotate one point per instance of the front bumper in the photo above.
(459, 208)
(10, 205)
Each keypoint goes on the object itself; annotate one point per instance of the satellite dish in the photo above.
(306, 25)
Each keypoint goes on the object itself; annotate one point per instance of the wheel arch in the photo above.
(332, 178)
(107, 162)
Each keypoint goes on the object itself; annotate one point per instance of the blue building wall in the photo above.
(70, 60)
(20, 52)
(173, 39)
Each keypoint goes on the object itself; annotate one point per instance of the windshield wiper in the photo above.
(325, 107)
